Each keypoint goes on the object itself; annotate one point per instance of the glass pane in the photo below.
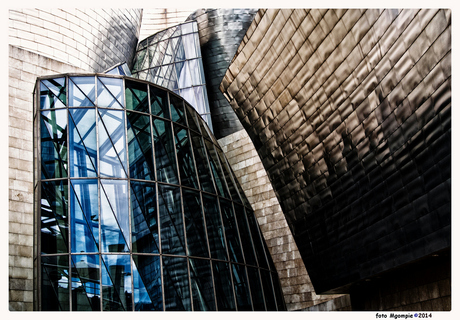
(86, 292)
(176, 286)
(136, 96)
(189, 95)
(231, 232)
(214, 228)
(186, 28)
(144, 217)
(215, 166)
(240, 283)
(194, 224)
(228, 176)
(192, 121)
(184, 78)
(110, 92)
(82, 92)
(53, 142)
(159, 102)
(194, 66)
(245, 235)
(202, 287)
(177, 109)
(278, 293)
(112, 144)
(202, 164)
(164, 152)
(189, 45)
(116, 283)
(52, 93)
(257, 239)
(185, 158)
(180, 52)
(114, 217)
(84, 216)
(224, 292)
(82, 143)
(54, 220)
(139, 60)
(55, 283)
(172, 227)
(147, 283)
(256, 289)
(140, 147)
(268, 290)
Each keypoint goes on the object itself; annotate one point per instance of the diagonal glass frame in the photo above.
(53, 93)
(110, 92)
(82, 91)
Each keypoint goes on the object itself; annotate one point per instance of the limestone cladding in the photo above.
(157, 19)
(296, 285)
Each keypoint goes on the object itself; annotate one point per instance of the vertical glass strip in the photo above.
(86, 292)
(165, 158)
(240, 283)
(116, 283)
(176, 284)
(110, 93)
(53, 143)
(53, 93)
(147, 283)
(136, 96)
(216, 170)
(159, 102)
(256, 289)
(257, 239)
(55, 283)
(202, 164)
(214, 227)
(185, 158)
(222, 281)
(172, 227)
(231, 231)
(278, 293)
(268, 290)
(177, 109)
(245, 235)
(197, 244)
(202, 287)
(140, 147)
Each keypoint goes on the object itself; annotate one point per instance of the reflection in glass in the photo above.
(147, 283)
(82, 143)
(84, 217)
(53, 141)
(54, 223)
(55, 283)
(231, 232)
(240, 283)
(82, 91)
(140, 147)
(202, 163)
(214, 228)
(185, 158)
(110, 92)
(194, 224)
(116, 283)
(172, 227)
(202, 288)
(52, 93)
(165, 159)
(245, 235)
(136, 96)
(257, 240)
(256, 289)
(177, 109)
(176, 286)
(159, 102)
(222, 281)
(86, 292)
(215, 167)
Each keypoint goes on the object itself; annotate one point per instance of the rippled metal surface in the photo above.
(221, 31)
(350, 111)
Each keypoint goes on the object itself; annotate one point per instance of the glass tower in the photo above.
(137, 206)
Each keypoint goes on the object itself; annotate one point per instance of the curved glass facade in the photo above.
(138, 206)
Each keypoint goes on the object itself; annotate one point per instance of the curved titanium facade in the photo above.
(172, 59)
(221, 32)
(350, 112)
(137, 207)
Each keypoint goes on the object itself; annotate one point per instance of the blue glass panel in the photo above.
(54, 219)
(223, 284)
(268, 290)
(82, 143)
(52, 93)
(176, 285)
(112, 143)
(86, 293)
(245, 235)
(194, 224)
(202, 287)
(185, 158)
(184, 77)
(231, 232)
(240, 283)
(159, 102)
(177, 109)
(147, 283)
(82, 91)
(140, 147)
(110, 92)
(55, 283)
(216, 170)
(165, 158)
(172, 227)
(256, 289)
(144, 217)
(114, 216)
(53, 144)
(214, 226)
(202, 163)
(136, 96)
(84, 216)
(116, 283)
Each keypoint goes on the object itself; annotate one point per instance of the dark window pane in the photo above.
(82, 143)
(165, 158)
(144, 217)
(114, 217)
(52, 93)
(245, 235)
(214, 228)
(240, 282)
(116, 283)
(191, 117)
(140, 147)
(86, 292)
(172, 228)
(112, 144)
(176, 286)
(177, 109)
(84, 216)
(256, 289)
(194, 224)
(202, 288)
(55, 283)
(110, 92)
(257, 239)
(278, 293)
(53, 142)
(147, 283)
(136, 96)
(268, 290)
(54, 219)
(231, 232)
(185, 158)
(159, 102)
(216, 170)
(202, 164)
(224, 292)
(82, 92)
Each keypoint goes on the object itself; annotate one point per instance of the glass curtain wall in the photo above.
(137, 207)
(172, 59)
